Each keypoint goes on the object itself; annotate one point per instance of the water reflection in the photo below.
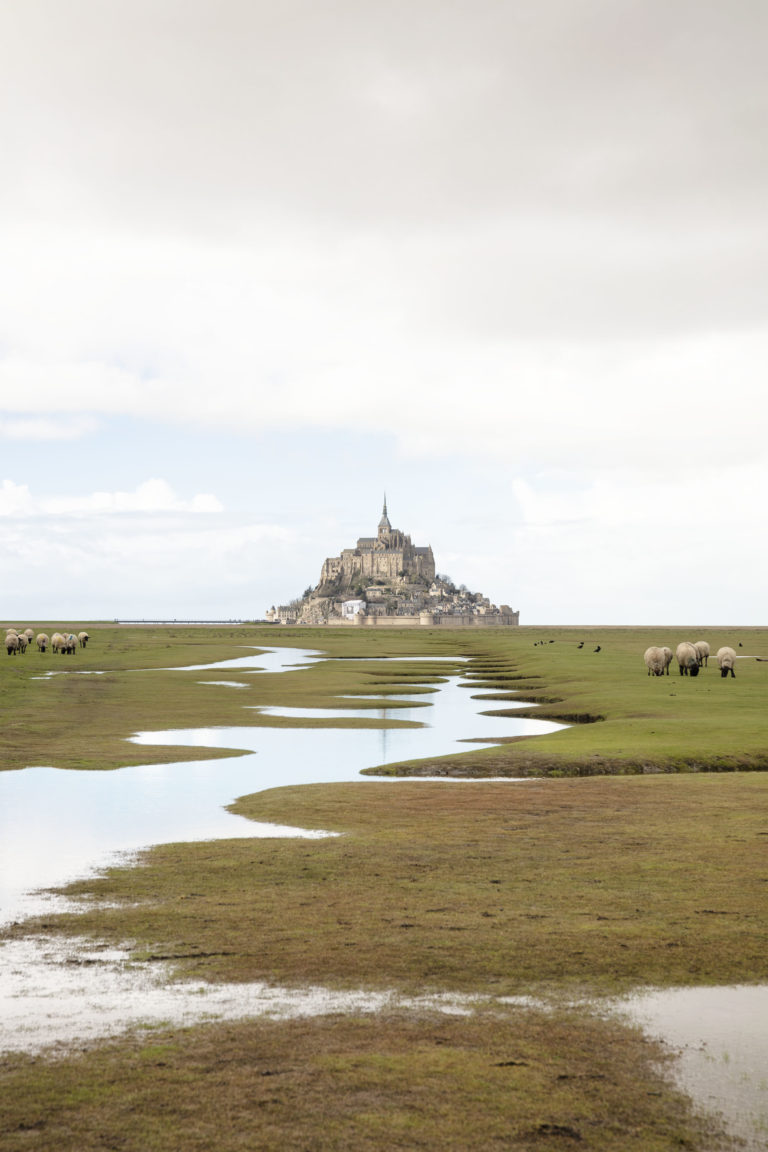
(55, 825)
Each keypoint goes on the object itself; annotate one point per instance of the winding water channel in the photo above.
(58, 825)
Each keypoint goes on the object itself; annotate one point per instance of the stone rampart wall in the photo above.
(428, 620)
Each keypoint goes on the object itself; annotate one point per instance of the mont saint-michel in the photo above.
(387, 580)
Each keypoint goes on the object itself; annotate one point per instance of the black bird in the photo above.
(598, 648)
(580, 644)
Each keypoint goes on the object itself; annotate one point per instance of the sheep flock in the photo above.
(691, 658)
(17, 641)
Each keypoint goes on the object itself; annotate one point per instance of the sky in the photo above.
(261, 263)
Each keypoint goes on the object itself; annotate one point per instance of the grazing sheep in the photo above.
(70, 643)
(42, 642)
(726, 658)
(667, 658)
(30, 635)
(11, 643)
(702, 648)
(83, 638)
(654, 661)
(688, 659)
(57, 642)
(22, 643)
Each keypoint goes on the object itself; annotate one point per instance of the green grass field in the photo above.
(621, 719)
(653, 870)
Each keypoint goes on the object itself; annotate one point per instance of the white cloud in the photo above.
(16, 500)
(149, 497)
(152, 565)
(44, 428)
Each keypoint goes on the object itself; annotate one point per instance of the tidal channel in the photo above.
(56, 825)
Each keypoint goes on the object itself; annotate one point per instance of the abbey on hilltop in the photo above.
(389, 556)
(387, 580)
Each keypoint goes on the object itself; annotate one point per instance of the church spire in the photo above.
(384, 524)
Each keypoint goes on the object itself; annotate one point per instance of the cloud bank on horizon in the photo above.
(260, 262)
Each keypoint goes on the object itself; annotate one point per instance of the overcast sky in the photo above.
(506, 260)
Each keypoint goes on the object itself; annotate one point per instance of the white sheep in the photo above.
(687, 659)
(654, 661)
(57, 642)
(702, 649)
(83, 638)
(42, 642)
(11, 643)
(667, 658)
(726, 658)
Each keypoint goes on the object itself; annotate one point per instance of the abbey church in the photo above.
(386, 580)
(388, 557)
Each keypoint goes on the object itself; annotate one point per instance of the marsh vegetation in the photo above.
(650, 871)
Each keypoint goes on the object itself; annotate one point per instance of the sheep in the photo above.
(42, 642)
(22, 643)
(688, 659)
(83, 638)
(726, 658)
(702, 649)
(655, 661)
(30, 635)
(11, 643)
(57, 642)
(667, 658)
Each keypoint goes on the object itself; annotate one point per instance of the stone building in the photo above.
(388, 557)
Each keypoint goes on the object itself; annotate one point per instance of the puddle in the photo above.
(65, 993)
(261, 660)
(721, 1037)
(225, 683)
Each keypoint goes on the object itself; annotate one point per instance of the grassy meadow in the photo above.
(635, 856)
